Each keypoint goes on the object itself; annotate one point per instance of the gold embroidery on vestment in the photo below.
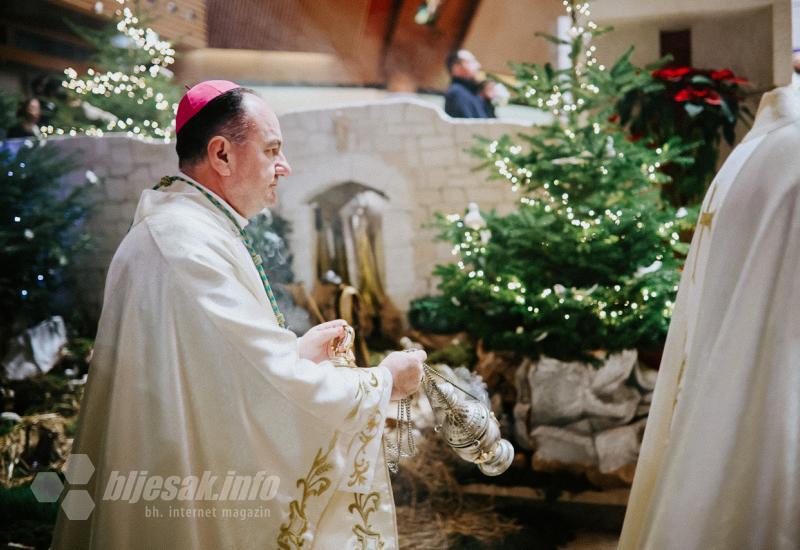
(360, 463)
(313, 485)
(680, 381)
(363, 389)
(372, 428)
(706, 219)
(366, 504)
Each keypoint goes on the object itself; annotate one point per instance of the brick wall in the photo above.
(406, 150)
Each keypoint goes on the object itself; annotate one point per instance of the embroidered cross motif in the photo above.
(706, 219)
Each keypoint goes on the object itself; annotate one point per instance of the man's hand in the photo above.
(313, 345)
(406, 369)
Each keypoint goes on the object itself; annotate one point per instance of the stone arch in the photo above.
(327, 172)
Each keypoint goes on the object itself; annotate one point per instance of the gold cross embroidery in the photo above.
(706, 219)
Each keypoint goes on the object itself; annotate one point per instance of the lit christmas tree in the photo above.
(41, 231)
(131, 90)
(590, 260)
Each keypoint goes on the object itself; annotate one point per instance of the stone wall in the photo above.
(407, 151)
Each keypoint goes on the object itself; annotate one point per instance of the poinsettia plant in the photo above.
(701, 106)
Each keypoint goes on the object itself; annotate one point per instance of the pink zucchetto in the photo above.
(198, 97)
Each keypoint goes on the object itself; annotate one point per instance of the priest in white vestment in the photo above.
(720, 461)
(208, 424)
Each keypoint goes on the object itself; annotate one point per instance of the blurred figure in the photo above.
(462, 99)
(28, 115)
(47, 90)
(486, 91)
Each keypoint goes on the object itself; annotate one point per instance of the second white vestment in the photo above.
(720, 462)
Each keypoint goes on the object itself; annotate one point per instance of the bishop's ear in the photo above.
(219, 155)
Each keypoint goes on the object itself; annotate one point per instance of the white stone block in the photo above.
(402, 129)
(116, 189)
(392, 113)
(438, 157)
(436, 142)
(482, 195)
(429, 196)
(419, 114)
(307, 122)
(120, 149)
(158, 170)
(319, 143)
(98, 146)
(137, 181)
(466, 136)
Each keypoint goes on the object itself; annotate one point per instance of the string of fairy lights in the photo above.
(610, 305)
(108, 83)
(28, 150)
(560, 101)
(133, 86)
(556, 297)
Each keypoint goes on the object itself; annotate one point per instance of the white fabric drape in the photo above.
(720, 461)
(192, 373)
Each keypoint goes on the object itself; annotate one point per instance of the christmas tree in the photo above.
(41, 230)
(9, 102)
(129, 90)
(590, 260)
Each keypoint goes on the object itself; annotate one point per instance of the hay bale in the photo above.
(431, 510)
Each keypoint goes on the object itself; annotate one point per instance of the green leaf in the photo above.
(658, 64)
(554, 39)
(729, 134)
(681, 248)
(702, 79)
(693, 110)
(726, 111)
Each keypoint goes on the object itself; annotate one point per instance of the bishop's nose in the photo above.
(283, 168)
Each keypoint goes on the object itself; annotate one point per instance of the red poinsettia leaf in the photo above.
(673, 75)
(724, 74)
(713, 98)
(727, 76)
(683, 95)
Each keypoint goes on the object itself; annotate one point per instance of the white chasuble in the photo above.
(204, 426)
(719, 466)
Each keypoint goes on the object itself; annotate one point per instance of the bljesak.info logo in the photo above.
(139, 486)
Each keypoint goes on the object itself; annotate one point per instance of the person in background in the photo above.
(28, 115)
(462, 99)
(486, 91)
(47, 89)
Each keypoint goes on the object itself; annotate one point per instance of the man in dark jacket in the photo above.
(462, 99)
